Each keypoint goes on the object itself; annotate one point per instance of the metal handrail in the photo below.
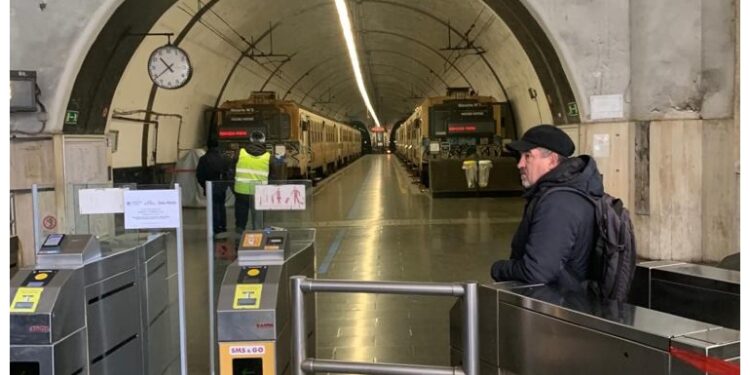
(301, 364)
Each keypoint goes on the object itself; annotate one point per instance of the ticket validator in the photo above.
(47, 311)
(90, 307)
(253, 316)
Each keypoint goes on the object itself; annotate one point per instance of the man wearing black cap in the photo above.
(558, 230)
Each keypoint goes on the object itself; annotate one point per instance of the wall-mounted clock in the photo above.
(169, 67)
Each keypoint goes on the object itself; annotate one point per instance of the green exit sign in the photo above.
(573, 109)
(71, 117)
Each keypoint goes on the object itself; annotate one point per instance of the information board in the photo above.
(151, 209)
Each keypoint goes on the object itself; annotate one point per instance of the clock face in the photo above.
(169, 67)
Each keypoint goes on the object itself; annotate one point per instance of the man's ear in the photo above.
(554, 160)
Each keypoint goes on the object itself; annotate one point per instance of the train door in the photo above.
(306, 148)
(339, 145)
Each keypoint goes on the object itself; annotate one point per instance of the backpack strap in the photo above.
(585, 283)
(536, 201)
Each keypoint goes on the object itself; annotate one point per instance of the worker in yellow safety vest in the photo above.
(253, 167)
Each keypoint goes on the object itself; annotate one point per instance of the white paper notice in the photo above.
(601, 145)
(151, 209)
(280, 197)
(606, 106)
(100, 201)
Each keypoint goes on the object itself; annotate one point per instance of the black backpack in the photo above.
(612, 260)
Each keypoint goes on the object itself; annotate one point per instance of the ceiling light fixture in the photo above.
(346, 27)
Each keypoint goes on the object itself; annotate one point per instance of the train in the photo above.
(379, 141)
(313, 145)
(444, 131)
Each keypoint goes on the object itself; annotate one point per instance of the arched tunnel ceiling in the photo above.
(401, 48)
(408, 50)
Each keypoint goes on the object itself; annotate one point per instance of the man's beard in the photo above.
(524, 181)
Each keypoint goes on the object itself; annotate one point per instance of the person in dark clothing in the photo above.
(215, 167)
(557, 232)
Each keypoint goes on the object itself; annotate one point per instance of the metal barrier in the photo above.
(694, 291)
(303, 365)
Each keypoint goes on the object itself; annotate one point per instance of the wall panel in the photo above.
(721, 193)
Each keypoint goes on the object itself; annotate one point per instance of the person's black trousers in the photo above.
(218, 200)
(243, 205)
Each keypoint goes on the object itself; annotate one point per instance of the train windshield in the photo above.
(240, 123)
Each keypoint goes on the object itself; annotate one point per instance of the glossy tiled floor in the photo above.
(375, 224)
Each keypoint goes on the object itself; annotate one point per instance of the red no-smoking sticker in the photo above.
(49, 222)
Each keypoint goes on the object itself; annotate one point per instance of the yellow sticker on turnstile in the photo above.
(26, 300)
(247, 296)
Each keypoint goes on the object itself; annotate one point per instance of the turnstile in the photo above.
(91, 308)
(694, 291)
(536, 329)
(253, 311)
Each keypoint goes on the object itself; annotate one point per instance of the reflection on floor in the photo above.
(375, 224)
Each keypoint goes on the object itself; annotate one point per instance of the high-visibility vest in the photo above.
(251, 170)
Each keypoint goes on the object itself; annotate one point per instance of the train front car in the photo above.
(278, 120)
(303, 143)
(448, 134)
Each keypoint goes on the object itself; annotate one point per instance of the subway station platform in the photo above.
(374, 223)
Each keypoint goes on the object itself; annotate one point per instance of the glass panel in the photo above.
(291, 197)
(223, 216)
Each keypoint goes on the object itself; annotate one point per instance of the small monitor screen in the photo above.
(53, 240)
(247, 366)
(24, 368)
(23, 91)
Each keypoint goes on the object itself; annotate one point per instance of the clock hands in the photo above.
(163, 71)
(167, 69)
(169, 66)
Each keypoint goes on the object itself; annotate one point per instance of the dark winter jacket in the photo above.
(213, 166)
(556, 235)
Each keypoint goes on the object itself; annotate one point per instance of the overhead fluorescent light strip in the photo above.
(346, 27)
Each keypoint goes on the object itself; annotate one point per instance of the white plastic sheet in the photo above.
(184, 174)
(192, 194)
